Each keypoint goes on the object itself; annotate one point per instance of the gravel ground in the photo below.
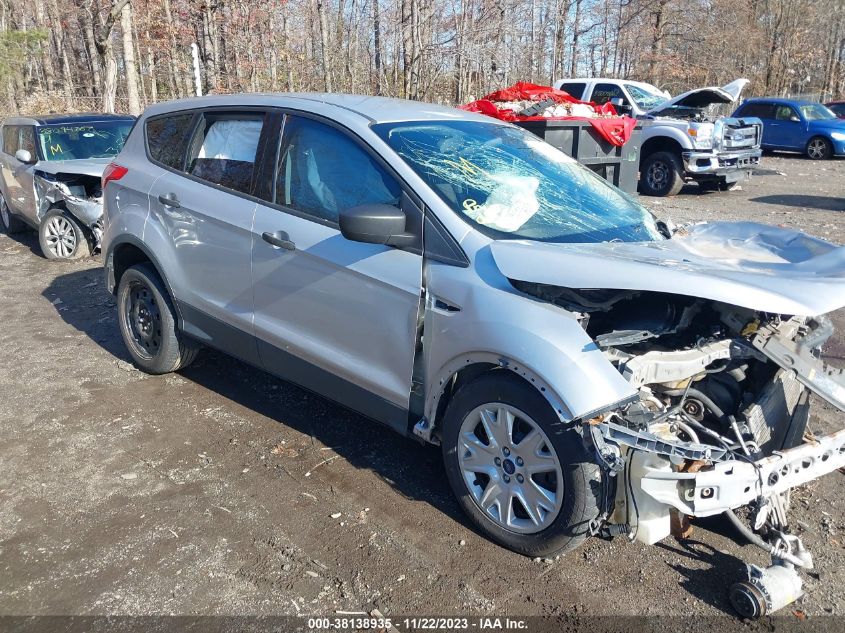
(220, 490)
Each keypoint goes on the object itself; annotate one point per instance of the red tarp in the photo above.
(615, 129)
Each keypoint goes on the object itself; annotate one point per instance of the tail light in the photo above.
(113, 171)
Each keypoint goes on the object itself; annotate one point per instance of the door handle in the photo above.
(170, 200)
(279, 239)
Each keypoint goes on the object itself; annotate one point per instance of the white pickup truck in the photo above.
(681, 141)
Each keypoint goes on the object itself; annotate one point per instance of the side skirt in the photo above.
(244, 346)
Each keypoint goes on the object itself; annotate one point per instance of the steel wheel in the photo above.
(143, 316)
(60, 237)
(510, 468)
(818, 149)
(657, 175)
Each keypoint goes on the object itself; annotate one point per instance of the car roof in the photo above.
(608, 80)
(375, 109)
(52, 119)
(779, 100)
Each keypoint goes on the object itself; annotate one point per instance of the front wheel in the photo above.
(62, 237)
(661, 174)
(523, 477)
(148, 323)
(819, 148)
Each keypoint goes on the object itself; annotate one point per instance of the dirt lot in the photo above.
(218, 490)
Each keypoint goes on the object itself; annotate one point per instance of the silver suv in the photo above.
(50, 169)
(586, 369)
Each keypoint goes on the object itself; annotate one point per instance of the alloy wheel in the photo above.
(817, 149)
(4, 214)
(60, 237)
(510, 468)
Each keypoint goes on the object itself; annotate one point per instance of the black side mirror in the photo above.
(375, 224)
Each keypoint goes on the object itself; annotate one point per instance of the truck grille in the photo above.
(741, 134)
(771, 417)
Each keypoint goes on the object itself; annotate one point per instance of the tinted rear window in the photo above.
(760, 110)
(168, 137)
(575, 89)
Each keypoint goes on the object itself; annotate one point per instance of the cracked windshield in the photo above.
(102, 139)
(511, 185)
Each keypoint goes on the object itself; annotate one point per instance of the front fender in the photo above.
(468, 320)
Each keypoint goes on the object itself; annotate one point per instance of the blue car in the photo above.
(797, 126)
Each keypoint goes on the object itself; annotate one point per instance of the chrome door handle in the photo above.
(279, 239)
(170, 200)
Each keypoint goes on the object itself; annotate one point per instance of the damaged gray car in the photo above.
(50, 171)
(586, 369)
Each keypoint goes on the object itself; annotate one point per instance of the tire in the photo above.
(661, 174)
(565, 523)
(10, 222)
(62, 237)
(819, 148)
(148, 323)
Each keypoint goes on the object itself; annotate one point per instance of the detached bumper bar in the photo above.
(730, 165)
(732, 484)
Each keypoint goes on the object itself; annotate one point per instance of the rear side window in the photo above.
(224, 150)
(574, 89)
(10, 139)
(168, 137)
(321, 171)
(760, 110)
(603, 93)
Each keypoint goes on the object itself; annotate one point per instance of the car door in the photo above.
(788, 127)
(18, 180)
(336, 316)
(206, 211)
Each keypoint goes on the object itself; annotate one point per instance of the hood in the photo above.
(87, 167)
(703, 97)
(755, 266)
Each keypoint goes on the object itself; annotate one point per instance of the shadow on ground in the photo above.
(413, 470)
(410, 469)
(823, 203)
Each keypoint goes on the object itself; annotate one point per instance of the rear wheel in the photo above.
(62, 237)
(819, 148)
(661, 174)
(148, 323)
(11, 223)
(522, 476)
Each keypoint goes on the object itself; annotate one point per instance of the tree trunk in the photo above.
(324, 47)
(377, 52)
(130, 66)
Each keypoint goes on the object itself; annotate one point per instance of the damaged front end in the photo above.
(80, 194)
(719, 420)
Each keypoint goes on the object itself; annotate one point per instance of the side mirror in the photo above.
(24, 156)
(375, 224)
(618, 103)
(795, 118)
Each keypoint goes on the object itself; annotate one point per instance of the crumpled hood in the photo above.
(88, 166)
(756, 266)
(703, 97)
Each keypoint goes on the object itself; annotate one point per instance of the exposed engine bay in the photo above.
(80, 194)
(719, 422)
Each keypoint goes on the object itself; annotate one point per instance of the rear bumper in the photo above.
(732, 484)
(729, 165)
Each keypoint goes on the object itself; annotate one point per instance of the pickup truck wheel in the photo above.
(661, 174)
(819, 148)
(62, 237)
(524, 478)
(148, 323)
(11, 224)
